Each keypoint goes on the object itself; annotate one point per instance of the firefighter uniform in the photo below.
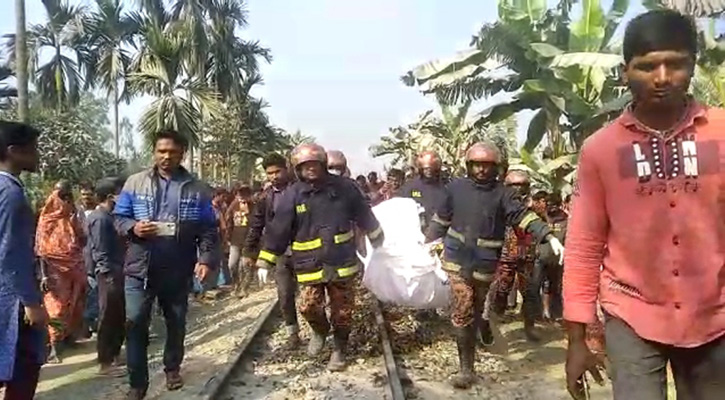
(428, 194)
(318, 220)
(473, 221)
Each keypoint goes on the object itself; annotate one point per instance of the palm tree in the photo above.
(60, 80)
(182, 101)
(109, 33)
(21, 60)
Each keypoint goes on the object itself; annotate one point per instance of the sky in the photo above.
(337, 63)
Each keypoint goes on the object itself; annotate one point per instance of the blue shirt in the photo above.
(18, 281)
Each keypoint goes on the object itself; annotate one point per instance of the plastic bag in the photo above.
(403, 271)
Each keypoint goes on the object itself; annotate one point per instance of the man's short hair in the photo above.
(540, 195)
(274, 160)
(108, 187)
(554, 199)
(86, 186)
(659, 30)
(15, 134)
(172, 135)
(396, 173)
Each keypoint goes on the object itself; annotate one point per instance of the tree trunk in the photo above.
(116, 131)
(21, 60)
(229, 170)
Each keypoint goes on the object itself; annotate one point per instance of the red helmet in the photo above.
(336, 158)
(429, 159)
(308, 152)
(483, 152)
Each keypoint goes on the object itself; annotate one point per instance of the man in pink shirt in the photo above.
(647, 232)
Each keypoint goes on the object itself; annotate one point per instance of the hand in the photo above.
(247, 262)
(145, 229)
(557, 248)
(262, 275)
(579, 360)
(202, 271)
(36, 316)
(45, 285)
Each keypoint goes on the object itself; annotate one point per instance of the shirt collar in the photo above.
(12, 178)
(695, 112)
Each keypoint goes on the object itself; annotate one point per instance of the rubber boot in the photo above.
(466, 343)
(531, 336)
(293, 338)
(337, 359)
(317, 342)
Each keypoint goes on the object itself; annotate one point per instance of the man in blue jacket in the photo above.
(166, 214)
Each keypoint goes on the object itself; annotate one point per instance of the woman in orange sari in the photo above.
(59, 244)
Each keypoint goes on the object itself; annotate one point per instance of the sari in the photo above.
(59, 245)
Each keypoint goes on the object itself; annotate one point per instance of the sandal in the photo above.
(174, 381)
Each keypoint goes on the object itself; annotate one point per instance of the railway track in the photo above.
(261, 370)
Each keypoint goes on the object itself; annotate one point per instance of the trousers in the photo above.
(342, 305)
(468, 299)
(639, 366)
(111, 317)
(286, 292)
(26, 371)
(506, 274)
(173, 298)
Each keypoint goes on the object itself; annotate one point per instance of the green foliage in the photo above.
(71, 144)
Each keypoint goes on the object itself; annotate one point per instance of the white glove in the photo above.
(262, 275)
(557, 248)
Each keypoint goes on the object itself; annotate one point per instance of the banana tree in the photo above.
(564, 70)
(697, 8)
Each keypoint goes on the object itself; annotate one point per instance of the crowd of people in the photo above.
(643, 228)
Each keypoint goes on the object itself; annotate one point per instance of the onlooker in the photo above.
(84, 208)
(647, 228)
(107, 251)
(166, 212)
(237, 217)
(279, 177)
(23, 319)
(59, 245)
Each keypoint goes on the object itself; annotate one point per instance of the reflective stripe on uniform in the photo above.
(342, 272)
(490, 244)
(486, 243)
(456, 235)
(307, 246)
(438, 220)
(453, 267)
(267, 256)
(310, 276)
(344, 237)
(375, 233)
(528, 218)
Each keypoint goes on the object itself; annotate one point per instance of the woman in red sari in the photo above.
(59, 244)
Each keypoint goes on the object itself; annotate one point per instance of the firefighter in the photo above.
(276, 168)
(516, 263)
(428, 189)
(337, 163)
(317, 215)
(473, 220)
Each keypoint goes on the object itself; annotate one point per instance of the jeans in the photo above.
(639, 366)
(173, 299)
(91, 312)
(235, 263)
